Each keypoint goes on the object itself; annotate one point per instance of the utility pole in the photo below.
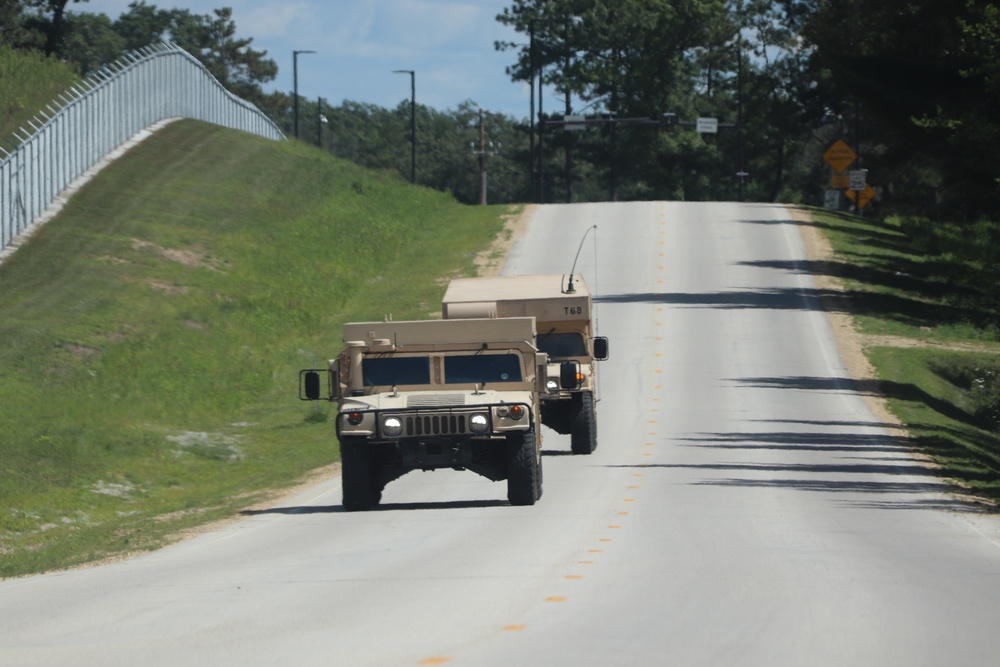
(413, 121)
(481, 153)
(295, 84)
(570, 140)
(541, 138)
(482, 161)
(320, 120)
(531, 117)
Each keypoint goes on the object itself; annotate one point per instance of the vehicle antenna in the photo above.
(569, 287)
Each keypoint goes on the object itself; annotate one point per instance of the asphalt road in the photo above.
(743, 507)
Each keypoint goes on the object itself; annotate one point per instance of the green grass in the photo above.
(28, 82)
(152, 334)
(945, 389)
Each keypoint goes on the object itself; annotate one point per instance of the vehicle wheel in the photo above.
(524, 469)
(583, 440)
(359, 475)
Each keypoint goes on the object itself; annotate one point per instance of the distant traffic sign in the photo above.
(840, 181)
(832, 199)
(708, 125)
(574, 123)
(858, 179)
(861, 197)
(839, 155)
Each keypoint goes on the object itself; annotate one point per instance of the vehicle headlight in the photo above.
(392, 426)
(552, 386)
(479, 423)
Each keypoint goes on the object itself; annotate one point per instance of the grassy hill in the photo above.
(152, 334)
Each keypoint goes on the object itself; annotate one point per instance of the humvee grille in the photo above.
(415, 425)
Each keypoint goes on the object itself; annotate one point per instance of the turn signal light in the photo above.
(354, 418)
(516, 411)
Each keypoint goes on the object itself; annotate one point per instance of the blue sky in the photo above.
(448, 43)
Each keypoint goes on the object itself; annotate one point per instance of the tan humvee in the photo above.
(460, 394)
(562, 308)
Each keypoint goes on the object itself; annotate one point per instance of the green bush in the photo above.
(979, 381)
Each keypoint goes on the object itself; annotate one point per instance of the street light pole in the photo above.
(531, 117)
(295, 83)
(413, 121)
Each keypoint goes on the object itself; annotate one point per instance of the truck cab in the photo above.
(562, 307)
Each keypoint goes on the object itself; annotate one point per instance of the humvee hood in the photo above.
(411, 400)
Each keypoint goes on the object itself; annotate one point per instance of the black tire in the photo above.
(583, 439)
(524, 469)
(359, 475)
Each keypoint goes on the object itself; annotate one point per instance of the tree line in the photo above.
(911, 85)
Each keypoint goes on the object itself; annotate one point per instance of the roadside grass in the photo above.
(28, 82)
(152, 334)
(943, 378)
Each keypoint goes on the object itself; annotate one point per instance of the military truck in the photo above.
(424, 395)
(562, 307)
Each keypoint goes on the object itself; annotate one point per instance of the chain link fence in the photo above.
(91, 119)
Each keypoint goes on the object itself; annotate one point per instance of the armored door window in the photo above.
(482, 369)
(558, 345)
(392, 371)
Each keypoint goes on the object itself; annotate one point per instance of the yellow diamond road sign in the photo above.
(839, 155)
(862, 197)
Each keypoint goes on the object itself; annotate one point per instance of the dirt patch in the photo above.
(490, 261)
(81, 351)
(195, 258)
(166, 288)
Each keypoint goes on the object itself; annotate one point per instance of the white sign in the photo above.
(574, 123)
(858, 179)
(708, 125)
(832, 200)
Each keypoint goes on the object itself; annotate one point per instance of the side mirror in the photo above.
(569, 375)
(309, 385)
(335, 388)
(601, 348)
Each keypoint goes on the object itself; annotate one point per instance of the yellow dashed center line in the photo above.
(514, 628)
